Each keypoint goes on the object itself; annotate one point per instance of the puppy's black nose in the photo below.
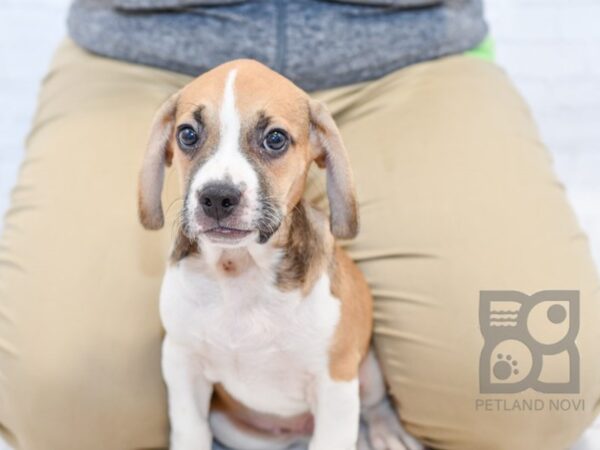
(219, 200)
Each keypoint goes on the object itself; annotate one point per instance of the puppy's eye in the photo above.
(187, 137)
(276, 141)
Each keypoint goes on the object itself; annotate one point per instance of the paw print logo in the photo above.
(509, 364)
(505, 367)
(521, 334)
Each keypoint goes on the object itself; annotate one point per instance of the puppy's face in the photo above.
(241, 143)
(243, 138)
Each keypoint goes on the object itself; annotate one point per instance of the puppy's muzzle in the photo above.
(219, 201)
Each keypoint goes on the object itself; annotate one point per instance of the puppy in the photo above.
(268, 322)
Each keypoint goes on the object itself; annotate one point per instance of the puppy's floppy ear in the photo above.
(158, 155)
(331, 154)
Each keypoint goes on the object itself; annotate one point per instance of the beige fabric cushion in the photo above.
(457, 195)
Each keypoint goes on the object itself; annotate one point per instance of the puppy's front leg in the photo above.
(189, 398)
(336, 412)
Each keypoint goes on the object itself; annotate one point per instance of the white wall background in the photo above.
(29, 32)
(550, 47)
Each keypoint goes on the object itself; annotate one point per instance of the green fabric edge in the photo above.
(486, 50)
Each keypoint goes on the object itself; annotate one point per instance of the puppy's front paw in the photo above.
(197, 439)
(384, 431)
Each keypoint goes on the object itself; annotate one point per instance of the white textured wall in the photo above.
(29, 32)
(550, 47)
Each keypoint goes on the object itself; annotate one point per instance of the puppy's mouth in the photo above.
(226, 234)
(237, 229)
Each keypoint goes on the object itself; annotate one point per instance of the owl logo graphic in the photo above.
(529, 342)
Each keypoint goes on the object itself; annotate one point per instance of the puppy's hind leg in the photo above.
(382, 429)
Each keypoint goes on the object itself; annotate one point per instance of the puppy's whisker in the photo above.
(168, 209)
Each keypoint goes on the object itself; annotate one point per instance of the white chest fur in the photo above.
(263, 345)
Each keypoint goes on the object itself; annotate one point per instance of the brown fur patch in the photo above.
(228, 266)
(340, 183)
(183, 248)
(234, 262)
(305, 250)
(188, 164)
(353, 334)
(158, 155)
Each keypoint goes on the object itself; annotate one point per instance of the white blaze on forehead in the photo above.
(228, 163)
(229, 117)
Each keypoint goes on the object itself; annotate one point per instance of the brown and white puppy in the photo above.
(261, 307)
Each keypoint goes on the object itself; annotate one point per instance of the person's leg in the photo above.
(458, 195)
(79, 278)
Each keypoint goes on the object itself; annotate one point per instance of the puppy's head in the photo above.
(243, 138)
